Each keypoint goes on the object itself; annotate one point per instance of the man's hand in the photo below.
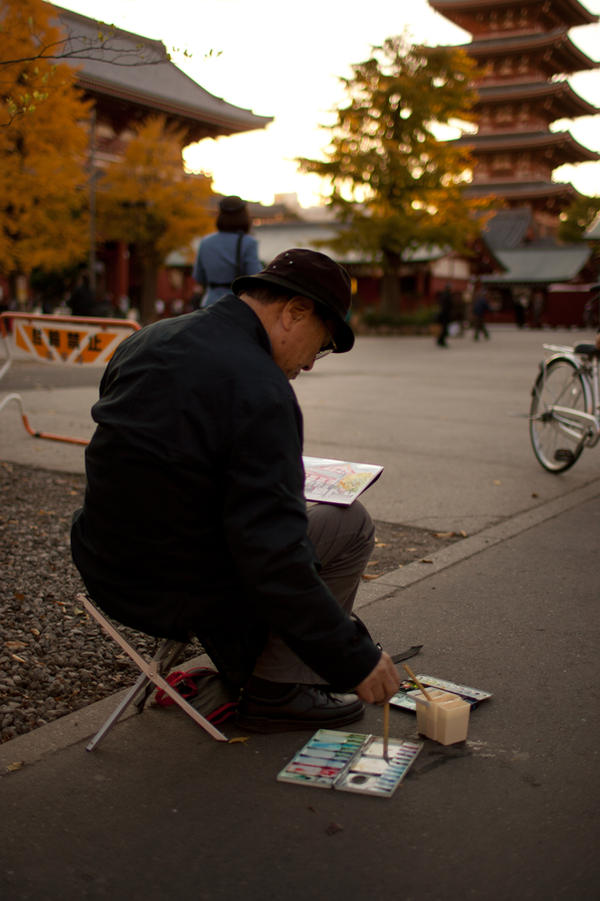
(381, 683)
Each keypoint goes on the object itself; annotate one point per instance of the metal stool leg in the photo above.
(141, 683)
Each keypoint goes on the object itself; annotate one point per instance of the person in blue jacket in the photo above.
(227, 253)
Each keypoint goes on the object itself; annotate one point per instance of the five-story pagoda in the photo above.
(525, 52)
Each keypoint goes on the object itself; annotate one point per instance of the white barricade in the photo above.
(59, 340)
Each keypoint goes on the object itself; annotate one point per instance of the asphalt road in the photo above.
(449, 426)
(161, 811)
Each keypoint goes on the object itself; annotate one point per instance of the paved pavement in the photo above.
(160, 810)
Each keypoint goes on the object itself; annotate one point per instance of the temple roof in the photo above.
(543, 265)
(137, 70)
(571, 12)
(274, 239)
(558, 52)
(558, 145)
(558, 96)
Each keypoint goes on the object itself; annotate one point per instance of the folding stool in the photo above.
(152, 675)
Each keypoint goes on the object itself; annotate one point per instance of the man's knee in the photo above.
(338, 531)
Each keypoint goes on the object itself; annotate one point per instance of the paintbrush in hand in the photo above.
(386, 729)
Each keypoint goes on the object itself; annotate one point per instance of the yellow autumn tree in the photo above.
(43, 147)
(147, 200)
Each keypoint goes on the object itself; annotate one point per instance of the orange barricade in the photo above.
(63, 340)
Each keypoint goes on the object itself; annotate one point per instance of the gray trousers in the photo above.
(343, 538)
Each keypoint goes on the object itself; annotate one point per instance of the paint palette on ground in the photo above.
(352, 762)
(405, 696)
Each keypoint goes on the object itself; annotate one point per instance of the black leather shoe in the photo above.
(303, 707)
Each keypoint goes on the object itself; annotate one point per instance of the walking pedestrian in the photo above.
(444, 316)
(480, 309)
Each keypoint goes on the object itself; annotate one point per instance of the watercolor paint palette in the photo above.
(404, 697)
(352, 762)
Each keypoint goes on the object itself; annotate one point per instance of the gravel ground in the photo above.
(53, 658)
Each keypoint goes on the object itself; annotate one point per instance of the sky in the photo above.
(285, 60)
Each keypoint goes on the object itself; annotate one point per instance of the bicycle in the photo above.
(565, 406)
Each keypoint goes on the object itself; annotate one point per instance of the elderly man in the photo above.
(194, 518)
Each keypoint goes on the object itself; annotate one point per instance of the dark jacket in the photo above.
(194, 516)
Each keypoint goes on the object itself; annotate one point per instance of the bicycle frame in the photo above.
(583, 427)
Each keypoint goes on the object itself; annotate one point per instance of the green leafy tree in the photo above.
(577, 218)
(147, 200)
(394, 184)
(43, 149)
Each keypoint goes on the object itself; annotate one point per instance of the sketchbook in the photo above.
(337, 481)
(351, 762)
(405, 696)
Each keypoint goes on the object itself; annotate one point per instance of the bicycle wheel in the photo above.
(557, 444)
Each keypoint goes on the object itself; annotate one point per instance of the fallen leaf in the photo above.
(426, 560)
(15, 645)
(534, 494)
(17, 658)
(411, 548)
(496, 482)
(368, 576)
(240, 739)
(444, 534)
(13, 767)
(381, 544)
(462, 533)
(373, 563)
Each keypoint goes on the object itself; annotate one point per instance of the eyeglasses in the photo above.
(326, 349)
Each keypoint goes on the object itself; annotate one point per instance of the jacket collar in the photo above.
(235, 310)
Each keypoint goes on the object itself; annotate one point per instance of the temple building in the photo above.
(129, 77)
(525, 53)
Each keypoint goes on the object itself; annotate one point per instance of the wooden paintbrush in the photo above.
(416, 681)
(386, 729)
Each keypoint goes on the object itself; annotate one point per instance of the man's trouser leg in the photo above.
(343, 538)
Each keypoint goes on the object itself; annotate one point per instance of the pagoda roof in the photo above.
(523, 191)
(559, 51)
(540, 265)
(558, 95)
(571, 12)
(137, 70)
(507, 229)
(558, 143)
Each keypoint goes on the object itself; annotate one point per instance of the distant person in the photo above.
(481, 308)
(444, 316)
(521, 305)
(537, 309)
(228, 253)
(82, 301)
